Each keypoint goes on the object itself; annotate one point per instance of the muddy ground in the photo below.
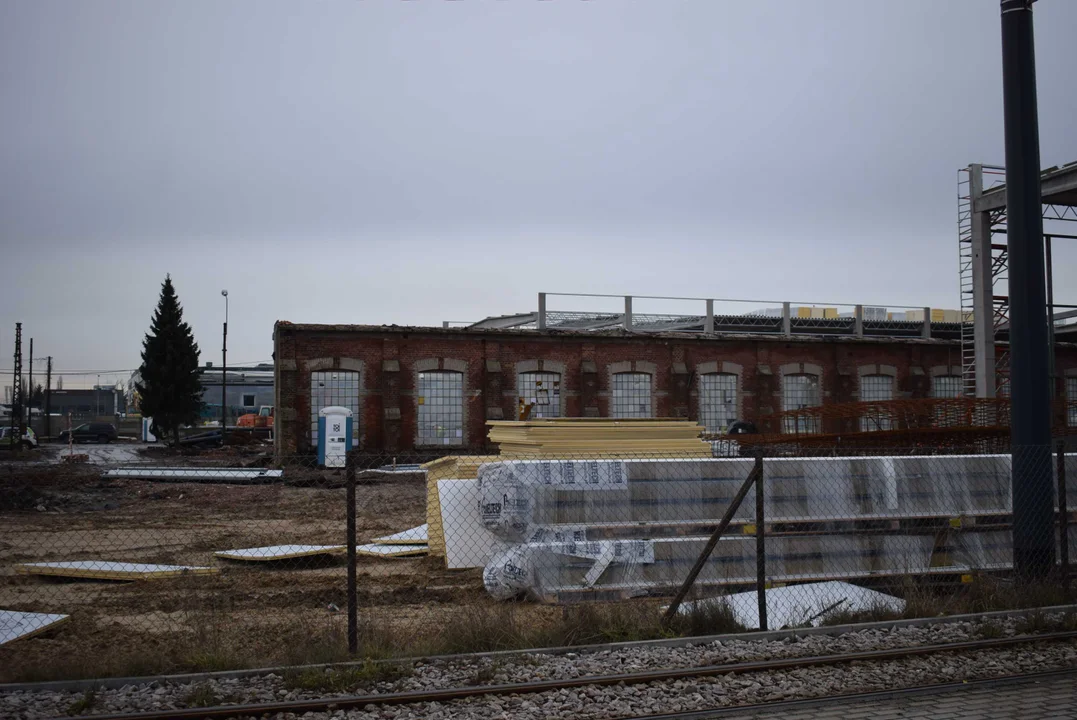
(247, 613)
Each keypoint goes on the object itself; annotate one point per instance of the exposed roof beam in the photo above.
(505, 321)
(1058, 186)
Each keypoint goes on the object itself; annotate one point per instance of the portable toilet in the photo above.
(334, 435)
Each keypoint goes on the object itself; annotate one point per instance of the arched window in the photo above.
(800, 391)
(440, 397)
(876, 388)
(542, 390)
(334, 387)
(717, 400)
(631, 395)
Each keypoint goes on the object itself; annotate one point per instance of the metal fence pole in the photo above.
(353, 600)
(760, 544)
(1063, 523)
(711, 543)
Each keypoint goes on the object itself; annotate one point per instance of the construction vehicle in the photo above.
(262, 419)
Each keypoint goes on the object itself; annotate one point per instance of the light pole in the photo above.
(224, 370)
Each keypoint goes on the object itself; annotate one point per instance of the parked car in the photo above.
(90, 432)
(28, 441)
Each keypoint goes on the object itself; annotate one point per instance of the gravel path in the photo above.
(592, 702)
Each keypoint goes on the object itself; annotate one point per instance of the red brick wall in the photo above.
(388, 403)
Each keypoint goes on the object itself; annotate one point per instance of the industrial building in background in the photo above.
(430, 391)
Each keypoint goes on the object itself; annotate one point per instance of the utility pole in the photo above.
(17, 426)
(1030, 397)
(48, 397)
(224, 371)
(30, 388)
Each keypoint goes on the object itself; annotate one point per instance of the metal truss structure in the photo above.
(984, 262)
(779, 322)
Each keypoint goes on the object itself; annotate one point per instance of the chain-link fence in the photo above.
(133, 562)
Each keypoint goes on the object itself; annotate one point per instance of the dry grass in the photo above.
(346, 679)
(83, 704)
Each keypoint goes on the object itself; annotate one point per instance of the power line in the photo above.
(8, 371)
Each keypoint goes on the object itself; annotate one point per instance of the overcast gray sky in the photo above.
(381, 161)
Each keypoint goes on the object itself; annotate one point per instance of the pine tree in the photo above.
(170, 388)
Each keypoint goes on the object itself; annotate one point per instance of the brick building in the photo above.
(432, 389)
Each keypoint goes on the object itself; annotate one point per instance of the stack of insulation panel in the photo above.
(557, 528)
(599, 437)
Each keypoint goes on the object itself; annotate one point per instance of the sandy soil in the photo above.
(74, 514)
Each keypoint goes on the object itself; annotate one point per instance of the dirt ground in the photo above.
(247, 613)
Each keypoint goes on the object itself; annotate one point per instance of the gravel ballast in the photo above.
(594, 701)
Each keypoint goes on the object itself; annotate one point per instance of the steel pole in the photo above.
(224, 371)
(30, 384)
(353, 597)
(1050, 315)
(48, 398)
(1030, 422)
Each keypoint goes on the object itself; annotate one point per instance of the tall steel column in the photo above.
(1030, 421)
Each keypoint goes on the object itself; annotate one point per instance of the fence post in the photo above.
(1063, 523)
(671, 611)
(760, 544)
(353, 600)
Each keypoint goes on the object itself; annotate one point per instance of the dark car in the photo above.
(90, 432)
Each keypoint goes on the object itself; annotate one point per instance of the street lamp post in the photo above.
(224, 371)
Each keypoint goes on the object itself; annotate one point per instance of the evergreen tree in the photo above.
(37, 397)
(170, 388)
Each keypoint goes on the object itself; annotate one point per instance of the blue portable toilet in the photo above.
(334, 435)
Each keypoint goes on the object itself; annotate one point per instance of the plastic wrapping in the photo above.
(509, 574)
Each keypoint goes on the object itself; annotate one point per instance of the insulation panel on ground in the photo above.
(108, 570)
(391, 551)
(279, 552)
(15, 625)
(800, 605)
(413, 536)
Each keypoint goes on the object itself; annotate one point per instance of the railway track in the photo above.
(445, 695)
(788, 706)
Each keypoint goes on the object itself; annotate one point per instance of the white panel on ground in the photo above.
(391, 551)
(108, 570)
(15, 624)
(198, 474)
(414, 536)
(467, 543)
(800, 605)
(279, 552)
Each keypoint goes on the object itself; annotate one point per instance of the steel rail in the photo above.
(784, 706)
(449, 694)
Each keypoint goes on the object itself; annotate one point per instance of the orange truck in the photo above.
(262, 419)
